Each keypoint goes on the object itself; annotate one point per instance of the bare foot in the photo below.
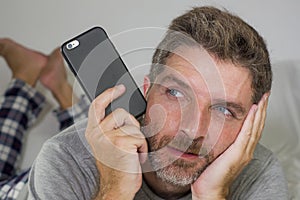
(25, 64)
(54, 77)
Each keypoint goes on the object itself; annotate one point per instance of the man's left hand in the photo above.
(215, 181)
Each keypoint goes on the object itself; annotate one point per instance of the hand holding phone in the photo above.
(97, 66)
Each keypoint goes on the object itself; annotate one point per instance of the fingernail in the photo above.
(120, 87)
(267, 96)
(255, 108)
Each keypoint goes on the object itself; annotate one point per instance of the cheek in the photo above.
(162, 118)
(226, 138)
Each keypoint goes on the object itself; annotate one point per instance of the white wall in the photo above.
(44, 25)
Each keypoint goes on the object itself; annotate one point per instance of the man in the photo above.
(21, 104)
(207, 95)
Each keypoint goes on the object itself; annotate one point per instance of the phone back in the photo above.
(97, 66)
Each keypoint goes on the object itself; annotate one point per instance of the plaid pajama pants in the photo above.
(19, 108)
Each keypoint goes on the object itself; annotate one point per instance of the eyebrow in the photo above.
(178, 81)
(239, 109)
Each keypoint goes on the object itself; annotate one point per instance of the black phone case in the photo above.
(97, 66)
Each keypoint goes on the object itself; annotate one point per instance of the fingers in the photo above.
(120, 148)
(116, 119)
(223, 171)
(132, 135)
(98, 106)
(253, 126)
(261, 113)
(258, 123)
(123, 129)
(120, 131)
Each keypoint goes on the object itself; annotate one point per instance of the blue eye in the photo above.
(174, 93)
(224, 110)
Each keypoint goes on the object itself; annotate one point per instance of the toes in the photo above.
(2, 44)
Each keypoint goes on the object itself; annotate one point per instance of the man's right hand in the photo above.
(116, 141)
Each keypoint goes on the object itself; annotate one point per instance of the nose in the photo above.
(195, 120)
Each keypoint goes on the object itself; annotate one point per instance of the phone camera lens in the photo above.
(73, 44)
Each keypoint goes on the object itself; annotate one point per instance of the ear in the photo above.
(147, 85)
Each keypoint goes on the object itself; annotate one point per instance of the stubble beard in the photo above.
(171, 169)
(179, 172)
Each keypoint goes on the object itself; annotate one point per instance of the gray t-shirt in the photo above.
(65, 169)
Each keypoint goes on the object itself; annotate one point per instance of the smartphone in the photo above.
(97, 66)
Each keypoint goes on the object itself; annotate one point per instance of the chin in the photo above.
(180, 172)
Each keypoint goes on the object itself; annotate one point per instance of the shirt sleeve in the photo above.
(262, 179)
(271, 185)
(64, 169)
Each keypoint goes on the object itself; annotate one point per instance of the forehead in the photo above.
(207, 76)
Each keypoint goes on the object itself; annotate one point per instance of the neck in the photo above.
(163, 189)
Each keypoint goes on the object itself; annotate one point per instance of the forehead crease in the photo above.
(172, 78)
(222, 80)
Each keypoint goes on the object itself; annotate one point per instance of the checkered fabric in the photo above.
(75, 113)
(19, 108)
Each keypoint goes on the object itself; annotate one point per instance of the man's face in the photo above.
(196, 108)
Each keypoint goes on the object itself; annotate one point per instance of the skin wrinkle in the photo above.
(220, 58)
(223, 35)
(180, 72)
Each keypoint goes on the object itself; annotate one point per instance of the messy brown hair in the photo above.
(223, 35)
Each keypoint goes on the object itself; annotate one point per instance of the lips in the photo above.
(182, 154)
(187, 146)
